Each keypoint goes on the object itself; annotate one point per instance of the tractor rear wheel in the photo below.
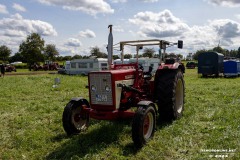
(74, 118)
(170, 94)
(143, 126)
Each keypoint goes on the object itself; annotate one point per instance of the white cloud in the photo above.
(149, 1)
(87, 34)
(226, 28)
(91, 7)
(200, 37)
(3, 9)
(225, 3)
(16, 23)
(18, 7)
(209, 35)
(14, 30)
(73, 42)
(118, 29)
(119, 1)
(13, 33)
(162, 24)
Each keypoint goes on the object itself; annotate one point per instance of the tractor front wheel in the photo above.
(74, 118)
(143, 126)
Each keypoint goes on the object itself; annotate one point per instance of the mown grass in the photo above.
(31, 128)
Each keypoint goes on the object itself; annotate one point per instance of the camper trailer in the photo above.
(84, 66)
(119, 61)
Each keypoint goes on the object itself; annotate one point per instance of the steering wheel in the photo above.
(140, 67)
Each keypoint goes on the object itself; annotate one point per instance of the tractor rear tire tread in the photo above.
(165, 93)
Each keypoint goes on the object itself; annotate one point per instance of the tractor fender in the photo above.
(176, 65)
(146, 103)
(80, 99)
(169, 66)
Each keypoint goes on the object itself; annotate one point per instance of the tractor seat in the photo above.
(148, 75)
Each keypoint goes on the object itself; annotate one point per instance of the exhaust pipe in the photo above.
(110, 47)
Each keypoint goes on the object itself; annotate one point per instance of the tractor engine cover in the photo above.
(104, 93)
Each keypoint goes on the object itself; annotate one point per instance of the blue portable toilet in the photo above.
(231, 68)
(238, 67)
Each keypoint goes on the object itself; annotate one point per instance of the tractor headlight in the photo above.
(107, 88)
(93, 88)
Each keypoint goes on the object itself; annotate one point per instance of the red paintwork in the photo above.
(168, 66)
(125, 66)
(146, 125)
(109, 115)
(118, 73)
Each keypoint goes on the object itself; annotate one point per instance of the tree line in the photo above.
(33, 50)
(225, 52)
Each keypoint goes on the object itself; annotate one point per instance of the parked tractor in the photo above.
(125, 91)
(49, 65)
(10, 68)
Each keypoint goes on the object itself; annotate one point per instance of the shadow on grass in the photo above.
(89, 143)
(131, 149)
(96, 140)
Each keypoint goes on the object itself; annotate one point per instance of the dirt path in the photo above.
(29, 73)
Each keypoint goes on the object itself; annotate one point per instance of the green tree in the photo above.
(219, 50)
(115, 57)
(51, 52)
(179, 56)
(232, 53)
(17, 57)
(76, 56)
(148, 52)
(5, 53)
(32, 49)
(195, 56)
(171, 55)
(238, 52)
(127, 56)
(95, 51)
(67, 58)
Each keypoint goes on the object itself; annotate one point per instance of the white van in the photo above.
(84, 66)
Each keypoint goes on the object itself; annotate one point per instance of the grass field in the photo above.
(31, 128)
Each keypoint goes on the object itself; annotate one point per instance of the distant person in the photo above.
(2, 70)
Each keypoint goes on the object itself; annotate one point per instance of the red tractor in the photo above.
(114, 92)
(49, 65)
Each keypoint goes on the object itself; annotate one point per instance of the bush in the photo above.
(5, 62)
(21, 66)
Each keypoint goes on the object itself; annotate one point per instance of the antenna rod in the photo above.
(110, 47)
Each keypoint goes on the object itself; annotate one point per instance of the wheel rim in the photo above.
(79, 118)
(148, 125)
(179, 96)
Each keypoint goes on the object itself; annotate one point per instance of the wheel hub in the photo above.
(179, 96)
(148, 125)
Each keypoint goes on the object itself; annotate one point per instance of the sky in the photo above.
(75, 26)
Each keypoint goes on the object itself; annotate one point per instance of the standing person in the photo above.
(2, 68)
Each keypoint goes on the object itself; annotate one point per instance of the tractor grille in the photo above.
(101, 88)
